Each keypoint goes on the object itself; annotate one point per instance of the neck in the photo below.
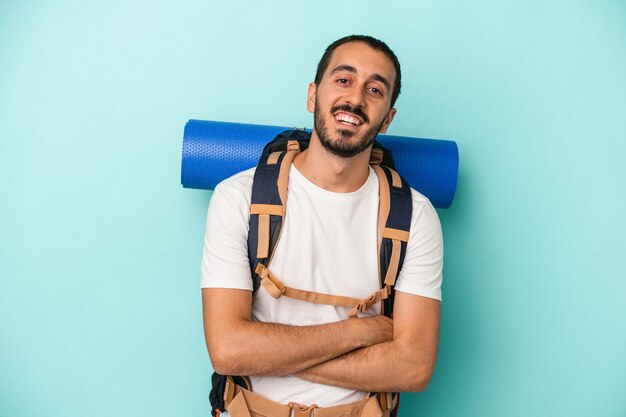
(332, 172)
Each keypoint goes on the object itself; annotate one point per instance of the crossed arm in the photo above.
(367, 354)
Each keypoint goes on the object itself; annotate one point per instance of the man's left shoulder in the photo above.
(422, 206)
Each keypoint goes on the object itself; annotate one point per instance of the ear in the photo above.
(310, 103)
(387, 121)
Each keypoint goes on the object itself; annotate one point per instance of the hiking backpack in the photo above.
(267, 213)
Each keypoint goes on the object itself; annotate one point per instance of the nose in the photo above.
(356, 97)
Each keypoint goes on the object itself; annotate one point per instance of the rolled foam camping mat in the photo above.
(214, 151)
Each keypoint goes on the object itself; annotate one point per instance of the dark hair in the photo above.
(372, 43)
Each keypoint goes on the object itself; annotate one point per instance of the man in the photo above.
(312, 354)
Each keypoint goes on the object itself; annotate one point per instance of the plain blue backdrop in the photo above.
(100, 247)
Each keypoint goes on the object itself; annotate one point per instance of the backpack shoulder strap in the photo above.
(269, 198)
(395, 209)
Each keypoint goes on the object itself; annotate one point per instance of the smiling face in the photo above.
(352, 102)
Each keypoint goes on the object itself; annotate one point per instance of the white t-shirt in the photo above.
(328, 244)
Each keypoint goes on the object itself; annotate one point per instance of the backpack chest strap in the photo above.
(277, 289)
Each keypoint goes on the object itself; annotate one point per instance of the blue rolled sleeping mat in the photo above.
(214, 151)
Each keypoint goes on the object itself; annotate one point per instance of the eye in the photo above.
(376, 91)
(343, 81)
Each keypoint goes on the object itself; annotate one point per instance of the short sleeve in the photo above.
(225, 254)
(421, 272)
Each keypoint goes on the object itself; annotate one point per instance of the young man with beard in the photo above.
(313, 354)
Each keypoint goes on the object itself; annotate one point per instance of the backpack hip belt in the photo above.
(241, 402)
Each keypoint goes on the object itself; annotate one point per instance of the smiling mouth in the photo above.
(348, 119)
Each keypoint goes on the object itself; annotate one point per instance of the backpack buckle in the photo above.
(273, 286)
(300, 410)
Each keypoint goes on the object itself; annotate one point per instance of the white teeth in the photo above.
(346, 118)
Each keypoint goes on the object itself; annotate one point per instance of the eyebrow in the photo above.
(350, 68)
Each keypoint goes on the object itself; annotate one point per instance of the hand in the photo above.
(374, 330)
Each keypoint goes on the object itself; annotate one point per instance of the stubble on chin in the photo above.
(342, 145)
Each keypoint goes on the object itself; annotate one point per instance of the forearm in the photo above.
(255, 348)
(385, 367)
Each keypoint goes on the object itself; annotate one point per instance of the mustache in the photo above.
(349, 109)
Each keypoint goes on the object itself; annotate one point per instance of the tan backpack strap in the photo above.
(396, 237)
(368, 302)
(277, 289)
(384, 202)
(265, 211)
(229, 390)
(273, 158)
(273, 209)
(389, 238)
(385, 400)
(271, 284)
(293, 149)
(396, 181)
(320, 298)
(263, 248)
(239, 406)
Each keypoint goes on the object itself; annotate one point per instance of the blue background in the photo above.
(100, 247)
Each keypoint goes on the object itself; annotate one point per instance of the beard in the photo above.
(342, 145)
